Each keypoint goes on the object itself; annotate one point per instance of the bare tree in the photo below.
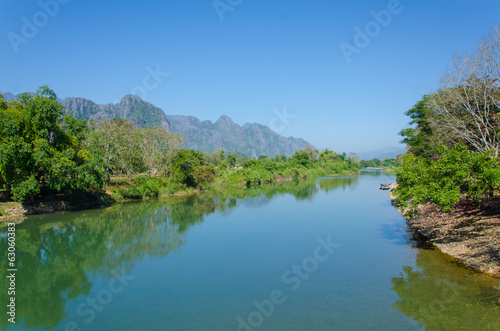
(467, 107)
(158, 147)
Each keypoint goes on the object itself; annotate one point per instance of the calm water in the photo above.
(332, 254)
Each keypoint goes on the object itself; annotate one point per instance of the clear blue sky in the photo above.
(264, 55)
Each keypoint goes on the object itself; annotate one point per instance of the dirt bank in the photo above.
(13, 210)
(18, 211)
(471, 236)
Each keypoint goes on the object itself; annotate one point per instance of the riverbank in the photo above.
(471, 236)
(17, 211)
(379, 168)
(10, 210)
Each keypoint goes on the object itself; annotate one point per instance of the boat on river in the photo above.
(385, 187)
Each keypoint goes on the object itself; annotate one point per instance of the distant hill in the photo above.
(390, 152)
(9, 96)
(251, 139)
(131, 107)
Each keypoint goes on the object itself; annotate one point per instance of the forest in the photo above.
(46, 152)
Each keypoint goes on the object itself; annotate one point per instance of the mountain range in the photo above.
(250, 139)
(389, 152)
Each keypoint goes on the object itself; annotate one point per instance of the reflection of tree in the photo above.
(335, 183)
(56, 259)
(441, 296)
(373, 172)
(301, 191)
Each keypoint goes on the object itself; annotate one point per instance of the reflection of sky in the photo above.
(208, 275)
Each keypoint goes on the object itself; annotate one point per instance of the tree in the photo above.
(158, 147)
(353, 157)
(328, 155)
(280, 158)
(467, 107)
(376, 162)
(217, 157)
(420, 138)
(455, 143)
(389, 163)
(101, 144)
(231, 160)
(444, 181)
(313, 153)
(185, 169)
(39, 153)
(302, 158)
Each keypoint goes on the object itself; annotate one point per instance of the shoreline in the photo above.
(18, 211)
(470, 237)
(12, 211)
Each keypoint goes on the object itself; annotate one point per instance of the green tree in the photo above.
(302, 158)
(419, 137)
(280, 158)
(231, 160)
(189, 168)
(39, 153)
(458, 173)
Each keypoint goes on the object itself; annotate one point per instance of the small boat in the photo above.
(385, 187)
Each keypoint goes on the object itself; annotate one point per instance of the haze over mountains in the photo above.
(250, 139)
(389, 152)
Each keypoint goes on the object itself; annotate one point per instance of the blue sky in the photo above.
(262, 59)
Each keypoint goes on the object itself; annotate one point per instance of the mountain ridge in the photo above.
(251, 139)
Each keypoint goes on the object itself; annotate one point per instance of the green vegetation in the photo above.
(377, 163)
(44, 153)
(41, 151)
(303, 164)
(454, 141)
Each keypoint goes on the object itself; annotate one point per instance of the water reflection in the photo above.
(440, 295)
(335, 183)
(55, 261)
(373, 172)
(59, 255)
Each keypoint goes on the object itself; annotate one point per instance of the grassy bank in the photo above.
(121, 188)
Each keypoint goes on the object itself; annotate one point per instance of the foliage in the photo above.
(40, 149)
(444, 181)
(264, 170)
(302, 158)
(44, 153)
(143, 187)
(231, 160)
(377, 163)
(185, 169)
(123, 148)
(454, 137)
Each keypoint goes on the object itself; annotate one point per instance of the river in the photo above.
(329, 254)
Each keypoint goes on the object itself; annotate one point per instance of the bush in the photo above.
(26, 189)
(143, 187)
(203, 176)
(458, 173)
